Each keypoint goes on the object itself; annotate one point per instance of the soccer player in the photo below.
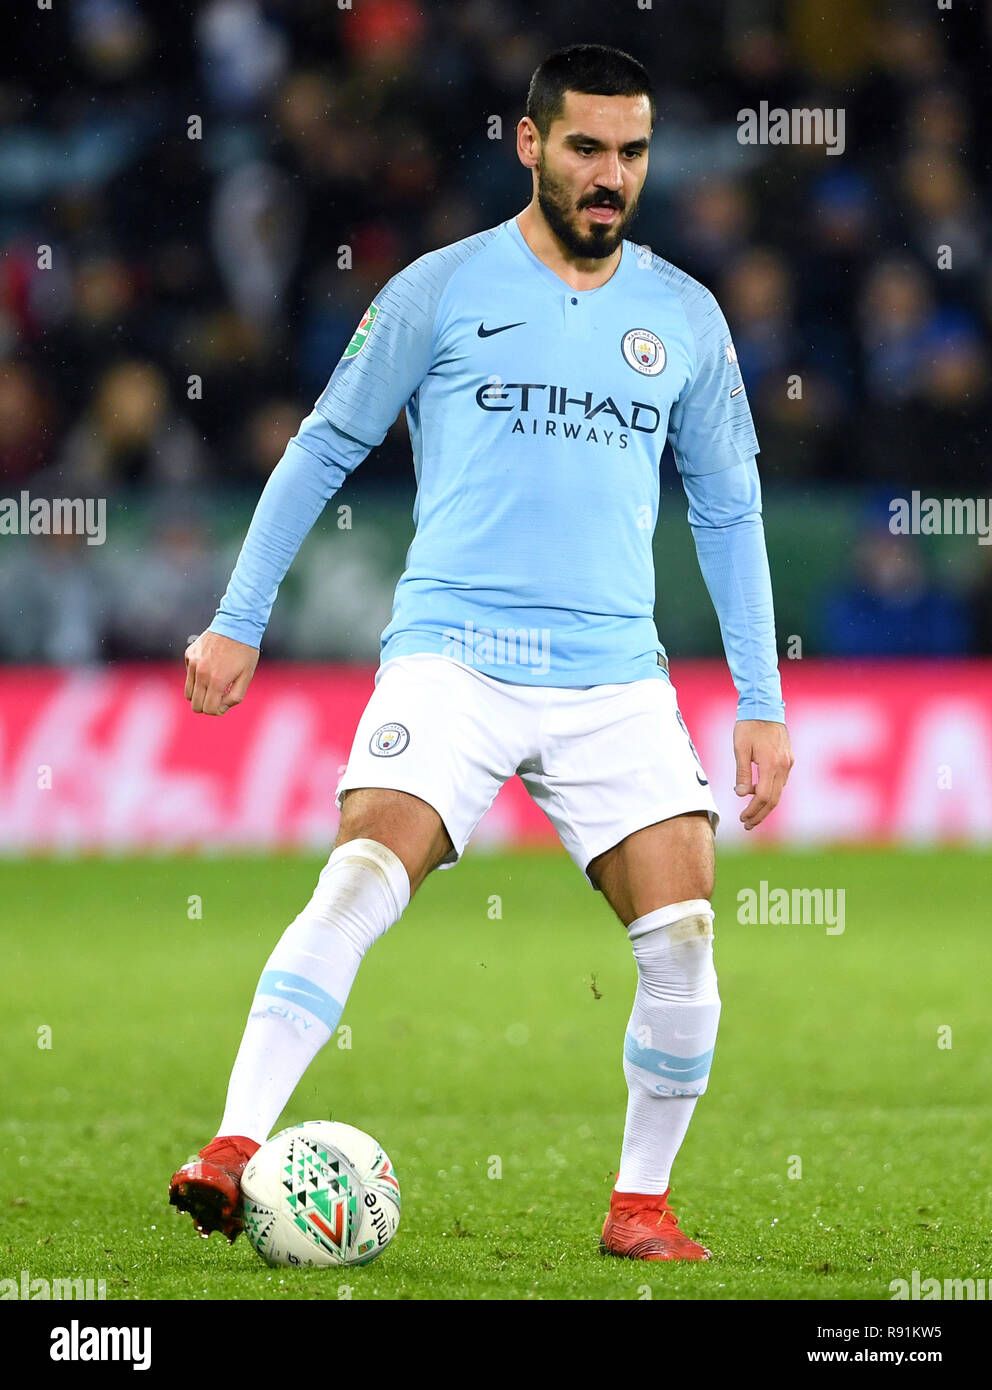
(543, 364)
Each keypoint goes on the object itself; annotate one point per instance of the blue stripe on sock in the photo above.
(295, 989)
(666, 1064)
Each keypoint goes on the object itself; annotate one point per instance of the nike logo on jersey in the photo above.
(485, 332)
(702, 780)
(736, 391)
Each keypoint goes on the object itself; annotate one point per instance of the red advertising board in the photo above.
(114, 759)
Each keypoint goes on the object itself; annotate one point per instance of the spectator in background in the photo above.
(27, 421)
(131, 435)
(86, 330)
(254, 232)
(944, 214)
(950, 414)
(841, 228)
(938, 123)
(714, 219)
(268, 431)
(892, 608)
(113, 37)
(896, 310)
(938, 427)
(243, 53)
(802, 428)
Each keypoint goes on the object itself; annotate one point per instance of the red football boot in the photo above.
(643, 1227)
(209, 1186)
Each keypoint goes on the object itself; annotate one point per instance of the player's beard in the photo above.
(560, 212)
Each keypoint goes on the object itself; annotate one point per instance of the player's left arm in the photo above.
(714, 442)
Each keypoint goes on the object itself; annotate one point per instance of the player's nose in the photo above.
(610, 173)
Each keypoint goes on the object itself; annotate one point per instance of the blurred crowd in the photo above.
(198, 201)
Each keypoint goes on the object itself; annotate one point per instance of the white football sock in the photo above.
(362, 890)
(670, 1038)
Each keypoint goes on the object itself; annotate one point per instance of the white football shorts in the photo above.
(601, 761)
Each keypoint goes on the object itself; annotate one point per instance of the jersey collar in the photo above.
(555, 281)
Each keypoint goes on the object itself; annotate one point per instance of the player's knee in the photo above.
(673, 948)
(408, 826)
(367, 853)
(669, 1042)
(362, 890)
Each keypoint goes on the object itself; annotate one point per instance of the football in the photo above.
(320, 1193)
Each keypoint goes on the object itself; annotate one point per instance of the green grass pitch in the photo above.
(485, 1044)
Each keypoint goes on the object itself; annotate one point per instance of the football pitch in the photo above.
(843, 1142)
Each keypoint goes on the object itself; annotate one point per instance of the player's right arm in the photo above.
(382, 367)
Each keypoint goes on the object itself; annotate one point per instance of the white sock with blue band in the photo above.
(668, 1048)
(362, 890)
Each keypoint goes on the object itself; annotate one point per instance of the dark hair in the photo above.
(584, 67)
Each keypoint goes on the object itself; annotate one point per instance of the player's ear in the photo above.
(528, 143)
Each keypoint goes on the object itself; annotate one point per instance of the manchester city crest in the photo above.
(389, 740)
(644, 351)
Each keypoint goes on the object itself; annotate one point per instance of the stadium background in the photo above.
(489, 1023)
(200, 290)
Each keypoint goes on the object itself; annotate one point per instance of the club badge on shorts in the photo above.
(644, 351)
(389, 740)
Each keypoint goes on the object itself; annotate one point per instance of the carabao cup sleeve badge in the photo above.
(361, 334)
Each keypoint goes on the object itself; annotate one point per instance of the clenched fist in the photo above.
(218, 672)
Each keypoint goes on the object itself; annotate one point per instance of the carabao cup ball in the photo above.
(320, 1193)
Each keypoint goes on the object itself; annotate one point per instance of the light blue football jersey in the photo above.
(538, 415)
